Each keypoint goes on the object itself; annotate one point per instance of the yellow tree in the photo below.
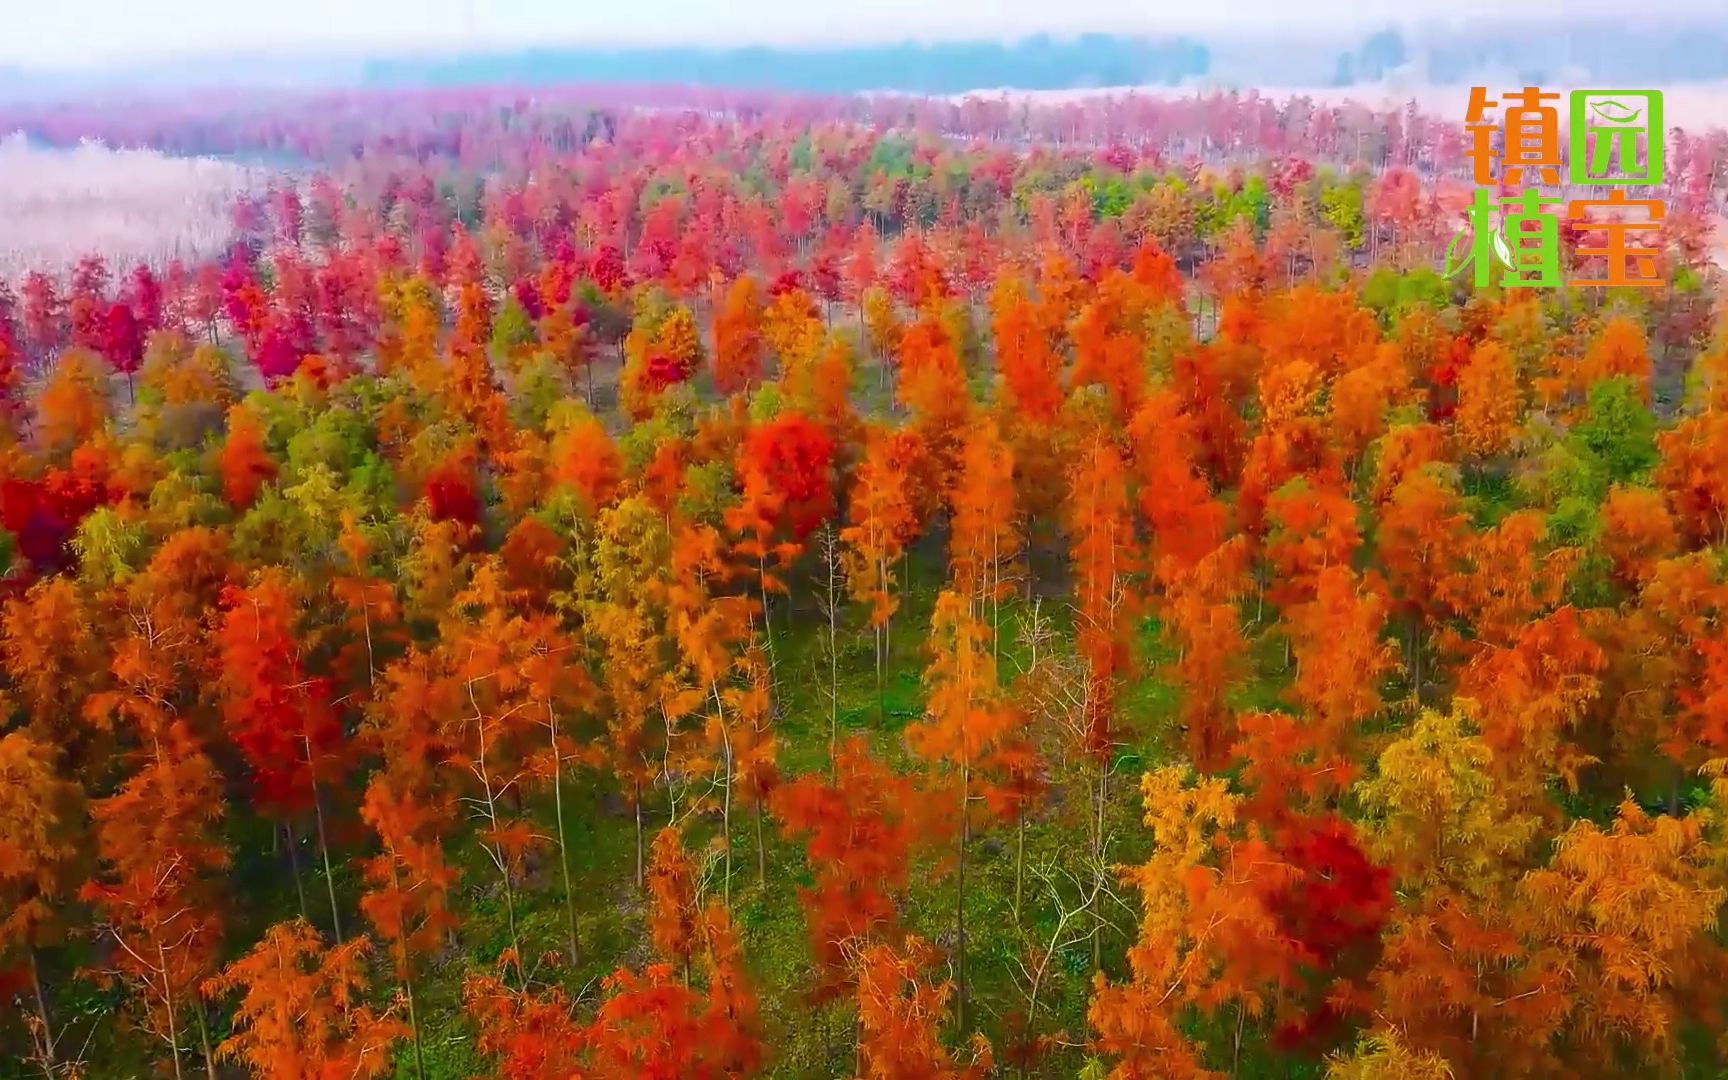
(1454, 977)
(1383, 1055)
(1208, 935)
(626, 614)
(1626, 920)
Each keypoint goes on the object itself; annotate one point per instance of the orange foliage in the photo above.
(301, 1012)
(245, 464)
(899, 1016)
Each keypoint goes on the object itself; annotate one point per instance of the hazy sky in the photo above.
(81, 33)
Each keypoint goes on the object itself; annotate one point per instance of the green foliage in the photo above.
(297, 525)
(708, 491)
(1392, 294)
(542, 385)
(1618, 431)
(891, 156)
(511, 328)
(1558, 472)
(109, 547)
(674, 418)
(185, 495)
(1111, 194)
(1341, 208)
(766, 403)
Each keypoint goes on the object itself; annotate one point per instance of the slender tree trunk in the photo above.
(563, 845)
(767, 618)
(832, 601)
(638, 800)
(406, 964)
(498, 851)
(204, 1043)
(168, 1002)
(960, 904)
(1236, 1045)
(413, 1019)
(881, 693)
(324, 851)
(1019, 862)
(294, 868)
(1098, 862)
(1416, 661)
(726, 795)
(995, 576)
(48, 1063)
(761, 847)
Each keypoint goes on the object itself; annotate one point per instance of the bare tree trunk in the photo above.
(1098, 862)
(1019, 862)
(761, 847)
(638, 801)
(204, 1043)
(168, 1002)
(497, 852)
(413, 1020)
(324, 851)
(48, 1064)
(960, 904)
(403, 959)
(294, 868)
(563, 845)
(726, 804)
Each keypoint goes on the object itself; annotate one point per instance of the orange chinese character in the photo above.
(1619, 256)
(1481, 133)
(1532, 138)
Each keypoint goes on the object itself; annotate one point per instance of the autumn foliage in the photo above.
(685, 584)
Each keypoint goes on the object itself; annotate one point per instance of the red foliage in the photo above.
(859, 829)
(451, 492)
(122, 339)
(42, 514)
(791, 459)
(663, 371)
(278, 716)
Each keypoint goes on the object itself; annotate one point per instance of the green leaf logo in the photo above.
(1615, 112)
(1447, 269)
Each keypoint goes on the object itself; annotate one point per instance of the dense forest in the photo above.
(749, 591)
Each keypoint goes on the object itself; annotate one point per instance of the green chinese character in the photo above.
(1487, 246)
(1528, 258)
(1616, 119)
(1535, 252)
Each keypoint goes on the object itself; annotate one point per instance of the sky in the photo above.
(81, 34)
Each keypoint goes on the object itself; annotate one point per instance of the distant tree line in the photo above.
(1036, 63)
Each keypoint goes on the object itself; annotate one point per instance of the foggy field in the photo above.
(1693, 106)
(128, 205)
